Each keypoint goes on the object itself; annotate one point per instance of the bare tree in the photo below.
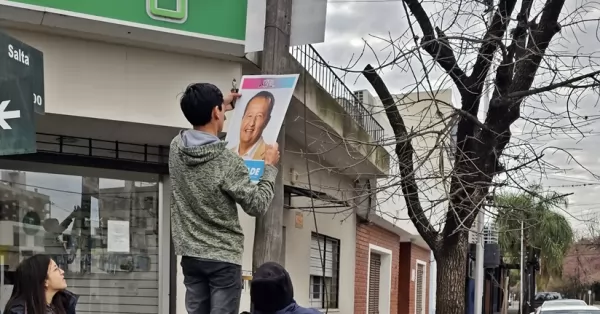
(514, 50)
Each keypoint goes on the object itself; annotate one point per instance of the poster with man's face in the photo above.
(258, 116)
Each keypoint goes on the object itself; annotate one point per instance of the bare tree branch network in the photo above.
(446, 161)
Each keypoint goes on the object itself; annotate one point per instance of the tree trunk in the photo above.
(451, 276)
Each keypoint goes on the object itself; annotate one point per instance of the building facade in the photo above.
(416, 279)
(377, 274)
(112, 82)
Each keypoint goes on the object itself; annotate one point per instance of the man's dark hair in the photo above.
(264, 94)
(51, 225)
(198, 101)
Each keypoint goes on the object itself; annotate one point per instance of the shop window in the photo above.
(100, 228)
(323, 288)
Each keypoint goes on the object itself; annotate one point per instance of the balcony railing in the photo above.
(314, 64)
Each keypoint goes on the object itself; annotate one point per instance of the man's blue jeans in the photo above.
(212, 287)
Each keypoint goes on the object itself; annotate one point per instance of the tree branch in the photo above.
(540, 37)
(491, 40)
(514, 52)
(520, 33)
(490, 143)
(529, 92)
(438, 48)
(404, 151)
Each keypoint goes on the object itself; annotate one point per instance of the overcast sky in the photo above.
(351, 22)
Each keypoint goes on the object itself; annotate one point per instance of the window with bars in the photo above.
(420, 290)
(374, 278)
(324, 281)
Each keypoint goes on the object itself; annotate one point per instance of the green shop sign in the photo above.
(220, 18)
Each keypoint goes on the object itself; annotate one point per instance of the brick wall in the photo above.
(406, 287)
(365, 234)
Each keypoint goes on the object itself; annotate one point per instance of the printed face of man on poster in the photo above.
(257, 115)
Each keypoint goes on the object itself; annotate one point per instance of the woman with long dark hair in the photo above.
(40, 288)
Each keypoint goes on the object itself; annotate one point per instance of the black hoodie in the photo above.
(272, 292)
(68, 298)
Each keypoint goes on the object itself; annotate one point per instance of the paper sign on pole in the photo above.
(258, 117)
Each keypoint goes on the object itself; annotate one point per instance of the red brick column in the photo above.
(371, 234)
(406, 287)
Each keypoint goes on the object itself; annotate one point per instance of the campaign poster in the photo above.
(258, 116)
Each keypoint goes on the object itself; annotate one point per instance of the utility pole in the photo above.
(268, 237)
(479, 270)
(522, 272)
(479, 248)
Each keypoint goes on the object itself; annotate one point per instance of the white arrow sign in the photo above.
(5, 115)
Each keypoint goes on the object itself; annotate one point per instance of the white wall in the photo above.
(115, 82)
(432, 283)
(419, 114)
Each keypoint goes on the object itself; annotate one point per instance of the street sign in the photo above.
(5, 115)
(17, 117)
(28, 61)
(21, 95)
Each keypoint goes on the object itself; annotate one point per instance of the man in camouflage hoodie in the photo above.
(207, 182)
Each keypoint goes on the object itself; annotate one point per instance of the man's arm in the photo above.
(254, 198)
(67, 222)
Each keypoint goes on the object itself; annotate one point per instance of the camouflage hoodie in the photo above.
(207, 182)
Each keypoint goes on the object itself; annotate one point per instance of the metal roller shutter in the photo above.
(374, 277)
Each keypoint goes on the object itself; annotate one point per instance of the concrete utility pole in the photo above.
(268, 237)
(522, 273)
(479, 249)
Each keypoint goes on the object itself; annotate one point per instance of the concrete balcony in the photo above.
(339, 129)
(342, 128)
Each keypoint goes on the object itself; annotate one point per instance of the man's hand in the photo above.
(272, 154)
(230, 99)
(75, 212)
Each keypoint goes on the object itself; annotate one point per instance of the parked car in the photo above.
(542, 297)
(569, 309)
(559, 303)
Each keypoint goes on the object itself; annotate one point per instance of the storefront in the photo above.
(102, 226)
(111, 112)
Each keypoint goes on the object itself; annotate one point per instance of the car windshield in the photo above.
(547, 296)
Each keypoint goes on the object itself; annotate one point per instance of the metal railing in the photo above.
(314, 64)
(89, 147)
(490, 233)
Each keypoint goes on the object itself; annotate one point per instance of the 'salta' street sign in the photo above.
(21, 95)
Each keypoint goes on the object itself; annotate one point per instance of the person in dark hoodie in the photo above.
(40, 288)
(207, 182)
(272, 292)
